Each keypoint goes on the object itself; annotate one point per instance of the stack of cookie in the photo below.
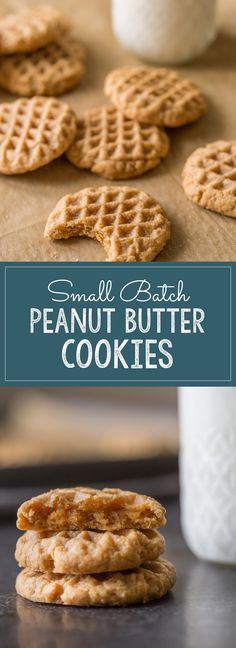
(91, 547)
(37, 56)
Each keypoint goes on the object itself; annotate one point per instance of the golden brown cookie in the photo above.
(113, 146)
(33, 132)
(155, 95)
(109, 509)
(209, 177)
(151, 581)
(29, 29)
(88, 552)
(128, 223)
(49, 71)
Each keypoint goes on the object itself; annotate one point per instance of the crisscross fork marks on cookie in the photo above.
(34, 132)
(112, 145)
(155, 95)
(88, 552)
(29, 29)
(48, 71)
(129, 223)
(209, 177)
(220, 170)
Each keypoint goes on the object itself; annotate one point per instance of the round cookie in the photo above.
(113, 146)
(155, 95)
(49, 71)
(151, 581)
(209, 177)
(88, 552)
(129, 224)
(80, 508)
(29, 29)
(33, 132)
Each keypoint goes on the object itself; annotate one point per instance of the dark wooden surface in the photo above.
(199, 613)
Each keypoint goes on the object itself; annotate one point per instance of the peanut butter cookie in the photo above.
(29, 29)
(209, 177)
(155, 95)
(49, 71)
(151, 581)
(33, 132)
(113, 146)
(88, 508)
(129, 224)
(88, 552)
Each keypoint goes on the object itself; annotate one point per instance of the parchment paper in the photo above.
(197, 234)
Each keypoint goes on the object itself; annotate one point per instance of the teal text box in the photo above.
(198, 358)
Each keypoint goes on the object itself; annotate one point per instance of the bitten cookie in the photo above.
(88, 508)
(209, 177)
(29, 29)
(33, 132)
(129, 224)
(151, 581)
(113, 146)
(88, 552)
(49, 71)
(155, 95)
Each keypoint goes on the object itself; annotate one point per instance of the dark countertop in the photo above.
(199, 613)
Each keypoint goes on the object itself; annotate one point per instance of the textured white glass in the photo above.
(164, 31)
(208, 471)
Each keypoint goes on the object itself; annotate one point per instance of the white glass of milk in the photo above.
(208, 471)
(165, 31)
